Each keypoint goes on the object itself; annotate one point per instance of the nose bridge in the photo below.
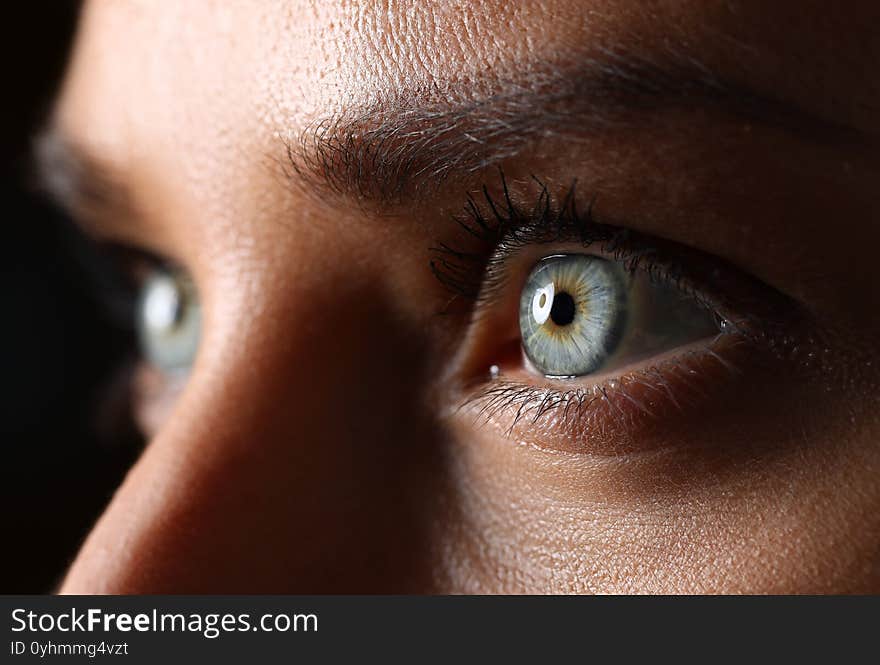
(299, 459)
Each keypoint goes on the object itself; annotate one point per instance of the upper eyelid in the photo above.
(494, 222)
(633, 261)
(505, 228)
(731, 303)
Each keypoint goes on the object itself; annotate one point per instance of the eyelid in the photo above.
(505, 235)
(614, 413)
(493, 328)
(754, 320)
(740, 304)
(610, 417)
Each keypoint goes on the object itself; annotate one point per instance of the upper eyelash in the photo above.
(497, 224)
(503, 227)
(110, 271)
(740, 303)
(104, 281)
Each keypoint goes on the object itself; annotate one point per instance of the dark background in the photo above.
(64, 445)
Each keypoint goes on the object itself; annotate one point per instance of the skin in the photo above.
(317, 444)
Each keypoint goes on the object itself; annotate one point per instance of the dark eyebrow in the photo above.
(415, 140)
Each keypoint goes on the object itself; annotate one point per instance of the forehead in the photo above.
(283, 62)
(209, 90)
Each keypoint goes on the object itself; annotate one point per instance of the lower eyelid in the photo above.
(155, 394)
(612, 415)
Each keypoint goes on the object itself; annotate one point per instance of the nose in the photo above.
(299, 458)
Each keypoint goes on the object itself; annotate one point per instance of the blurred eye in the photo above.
(169, 320)
(580, 314)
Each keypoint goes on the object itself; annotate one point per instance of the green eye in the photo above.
(169, 320)
(580, 314)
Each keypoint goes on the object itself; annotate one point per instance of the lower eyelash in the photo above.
(644, 392)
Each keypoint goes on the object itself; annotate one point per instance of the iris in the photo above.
(169, 320)
(573, 311)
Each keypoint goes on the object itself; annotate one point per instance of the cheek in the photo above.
(311, 408)
(691, 521)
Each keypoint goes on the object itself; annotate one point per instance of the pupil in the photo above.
(562, 310)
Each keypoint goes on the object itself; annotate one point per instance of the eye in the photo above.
(168, 320)
(581, 314)
(590, 337)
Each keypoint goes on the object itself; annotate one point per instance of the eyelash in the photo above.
(497, 229)
(114, 274)
(501, 229)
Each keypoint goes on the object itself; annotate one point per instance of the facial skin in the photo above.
(320, 443)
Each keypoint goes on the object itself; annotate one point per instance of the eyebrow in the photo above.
(403, 146)
(76, 180)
